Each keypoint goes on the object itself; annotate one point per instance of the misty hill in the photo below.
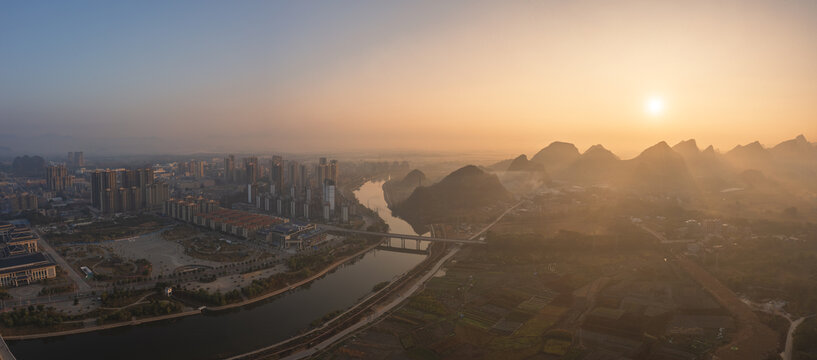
(460, 193)
(501, 165)
(596, 165)
(657, 169)
(396, 191)
(686, 169)
(792, 162)
(797, 149)
(660, 169)
(750, 156)
(556, 156)
(710, 170)
(521, 163)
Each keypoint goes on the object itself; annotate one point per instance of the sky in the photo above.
(464, 76)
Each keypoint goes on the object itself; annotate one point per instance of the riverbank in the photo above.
(378, 313)
(256, 299)
(345, 322)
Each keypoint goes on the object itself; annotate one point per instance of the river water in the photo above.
(222, 334)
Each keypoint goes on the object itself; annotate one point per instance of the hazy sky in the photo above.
(436, 75)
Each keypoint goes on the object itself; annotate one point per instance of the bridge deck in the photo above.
(401, 236)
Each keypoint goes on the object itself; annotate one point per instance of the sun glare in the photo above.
(654, 105)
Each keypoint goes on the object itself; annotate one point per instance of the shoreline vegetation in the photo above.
(281, 290)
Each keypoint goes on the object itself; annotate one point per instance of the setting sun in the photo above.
(654, 105)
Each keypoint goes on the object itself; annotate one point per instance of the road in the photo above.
(377, 313)
(662, 239)
(399, 236)
(72, 273)
(489, 226)
(5, 353)
(786, 355)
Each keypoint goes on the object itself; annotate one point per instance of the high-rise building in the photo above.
(108, 197)
(138, 190)
(101, 181)
(122, 199)
(333, 171)
(329, 195)
(57, 178)
(146, 179)
(302, 178)
(134, 199)
(79, 159)
(197, 168)
(75, 159)
(156, 194)
(96, 188)
(251, 169)
(293, 174)
(229, 168)
(327, 171)
(252, 173)
(277, 174)
(129, 179)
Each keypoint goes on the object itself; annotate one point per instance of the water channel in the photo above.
(222, 334)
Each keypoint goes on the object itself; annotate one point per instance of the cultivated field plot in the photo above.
(473, 311)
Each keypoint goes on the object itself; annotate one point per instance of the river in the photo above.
(221, 334)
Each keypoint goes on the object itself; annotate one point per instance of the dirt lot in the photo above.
(227, 283)
(165, 256)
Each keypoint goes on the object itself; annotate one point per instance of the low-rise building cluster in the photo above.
(21, 263)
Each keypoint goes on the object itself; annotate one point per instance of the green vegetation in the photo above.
(540, 322)
(273, 282)
(556, 347)
(179, 232)
(207, 298)
(38, 316)
(109, 230)
(427, 303)
(310, 261)
(771, 267)
(304, 265)
(56, 290)
(379, 286)
(154, 308)
(120, 297)
(805, 340)
(326, 317)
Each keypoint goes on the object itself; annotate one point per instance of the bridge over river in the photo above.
(402, 236)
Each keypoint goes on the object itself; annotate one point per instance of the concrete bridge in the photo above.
(401, 236)
(5, 353)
